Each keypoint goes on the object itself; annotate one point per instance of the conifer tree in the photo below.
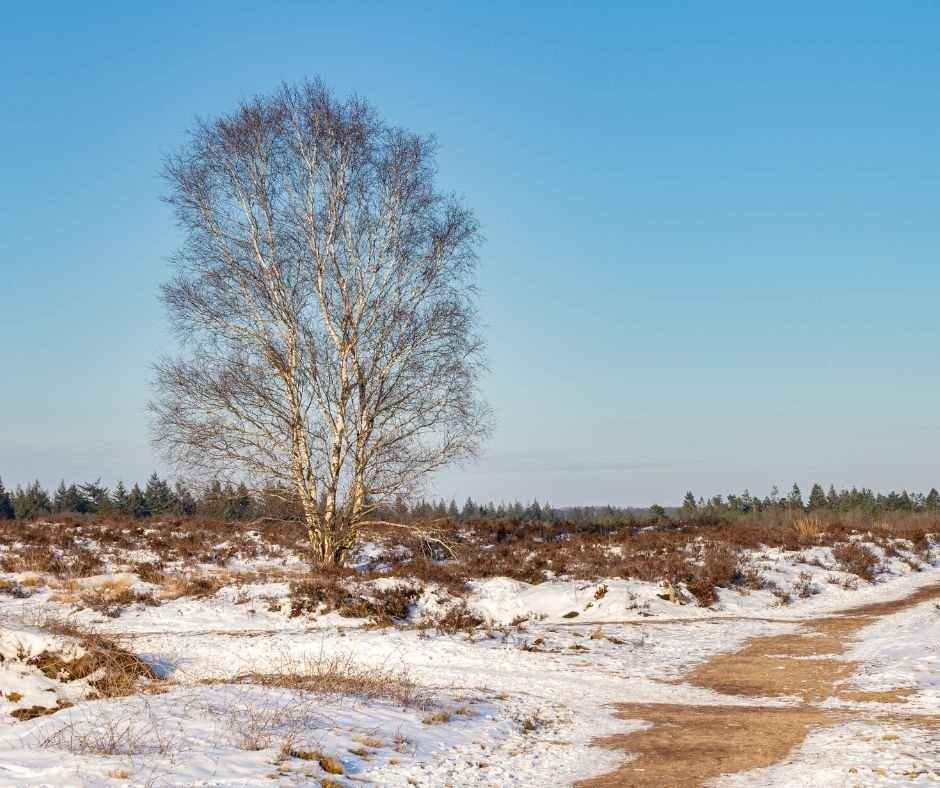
(68, 499)
(185, 502)
(137, 502)
(31, 502)
(159, 497)
(795, 498)
(533, 512)
(241, 506)
(400, 509)
(213, 503)
(120, 498)
(469, 511)
(6, 505)
(96, 497)
(932, 501)
(817, 498)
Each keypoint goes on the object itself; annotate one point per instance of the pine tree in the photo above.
(68, 499)
(469, 511)
(137, 503)
(96, 497)
(452, 513)
(6, 505)
(185, 502)
(747, 502)
(31, 502)
(119, 499)
(932, 501)
(548, 514)
(774, 499)
(213, 503)
(533, 512)
(795, 498)
(817, 498)
(159, 497)
(401, 509)
(59, 496)
(241, 503)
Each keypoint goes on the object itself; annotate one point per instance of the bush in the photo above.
(857, 560)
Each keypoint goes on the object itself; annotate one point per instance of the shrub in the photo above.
(857, 560)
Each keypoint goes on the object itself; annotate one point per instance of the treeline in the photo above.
(219, 501)
(157, 497)
(833, 500)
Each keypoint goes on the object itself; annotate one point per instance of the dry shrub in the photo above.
(719, 569)
(383, 606)
(342, 675)
(456, 618)
(150, 572)
(14, 589)
(803, 586)
(122, 731)
(315, 594)
(108, 665)
(857, 560)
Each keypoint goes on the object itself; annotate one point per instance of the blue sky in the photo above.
(712, 228)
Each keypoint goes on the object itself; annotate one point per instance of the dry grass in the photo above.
(127, 731)
(439, 717)
(109, 667)
(195, 586)
(328, 763)
(808, 529)
(109, 597)
(342, 675)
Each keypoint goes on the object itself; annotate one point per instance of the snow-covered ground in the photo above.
(517, 701)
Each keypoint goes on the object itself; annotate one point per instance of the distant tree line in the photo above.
(220, 501)
(157, 497)
(833, 500)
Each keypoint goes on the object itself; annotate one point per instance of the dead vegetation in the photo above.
(106, 663)
(341, 675)
(190, 557)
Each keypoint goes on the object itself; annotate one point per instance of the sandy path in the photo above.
(690, 745)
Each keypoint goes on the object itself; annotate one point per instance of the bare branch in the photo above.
(325, 301)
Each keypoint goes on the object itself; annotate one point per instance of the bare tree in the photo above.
(325, 302)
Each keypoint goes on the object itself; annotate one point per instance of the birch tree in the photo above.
(325, 304)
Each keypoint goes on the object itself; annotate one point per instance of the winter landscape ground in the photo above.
(185, 653)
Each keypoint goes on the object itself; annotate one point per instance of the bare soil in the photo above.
(690, 745)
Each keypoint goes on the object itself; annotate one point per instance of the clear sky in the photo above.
(713, 229)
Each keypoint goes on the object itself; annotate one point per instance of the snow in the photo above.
(527, 694)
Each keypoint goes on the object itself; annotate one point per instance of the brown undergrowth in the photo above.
(191, 556)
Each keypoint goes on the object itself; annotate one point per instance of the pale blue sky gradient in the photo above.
(712, 228)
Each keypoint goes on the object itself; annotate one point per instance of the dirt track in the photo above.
(690, 745)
